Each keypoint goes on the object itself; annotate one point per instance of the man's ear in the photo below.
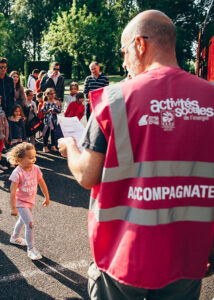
(141, 45)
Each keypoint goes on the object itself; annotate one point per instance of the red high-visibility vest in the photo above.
(151, 219)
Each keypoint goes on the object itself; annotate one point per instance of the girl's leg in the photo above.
(53, 138)
(32, 139)
(2, 167)
(27, 217)
(1, 171)
(18, 227)
(45, 139)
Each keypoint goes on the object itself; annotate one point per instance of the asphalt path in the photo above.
(60, 236)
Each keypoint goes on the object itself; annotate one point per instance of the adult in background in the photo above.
(149, 162)
(31, 83)
(54, 80)
(6, 87)
(92, 82)
(41, 74)
(19, 94)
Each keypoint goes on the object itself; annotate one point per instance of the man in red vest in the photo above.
(149, 161)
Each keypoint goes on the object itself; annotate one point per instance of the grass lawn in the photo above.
(113, 79)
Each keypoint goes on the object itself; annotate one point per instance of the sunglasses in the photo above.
(3, 67)
(55, 69)
(51, 93)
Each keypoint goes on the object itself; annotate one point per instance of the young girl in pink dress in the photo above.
(24, 182)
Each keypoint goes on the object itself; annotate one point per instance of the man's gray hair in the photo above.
(93, 63)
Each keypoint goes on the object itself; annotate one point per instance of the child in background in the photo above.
(41, 116)
(76, 109)
(31, 113)
(24, 181)
(50, 109)
(39, 98)
(72, 97)
(4, 133)
(16, 125)
(41, 74)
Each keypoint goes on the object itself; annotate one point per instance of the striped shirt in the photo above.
(91, 83)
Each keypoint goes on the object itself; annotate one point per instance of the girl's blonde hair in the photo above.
(49, 90)
(18, 152)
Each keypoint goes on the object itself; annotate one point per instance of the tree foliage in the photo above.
(187, 16)
(83, 36)
(78, 31)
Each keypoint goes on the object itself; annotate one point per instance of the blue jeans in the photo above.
(25, 219)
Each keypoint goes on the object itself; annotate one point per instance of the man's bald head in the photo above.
(154, 24)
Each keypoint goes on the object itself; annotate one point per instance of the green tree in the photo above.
(187, 15)
(124, 11)
(5, 6)
(4, 36)
(80, 35)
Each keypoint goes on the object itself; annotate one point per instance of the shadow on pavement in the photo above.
(13, 288)
(64, 190)
(67, 277)
(62, 187)
(4, 238)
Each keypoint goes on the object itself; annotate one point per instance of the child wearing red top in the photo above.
(39, 98)
(76, 108)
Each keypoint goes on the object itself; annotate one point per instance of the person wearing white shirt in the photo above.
(31, 83)
(74, 88)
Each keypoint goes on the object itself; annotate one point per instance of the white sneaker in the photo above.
(3, 167)
(18, 241)
(34, 254)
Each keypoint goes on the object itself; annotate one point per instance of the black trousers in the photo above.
(87, 110)
(53, 138)
(103, 287)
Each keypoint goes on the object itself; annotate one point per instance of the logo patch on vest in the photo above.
(167, 120)
(148, 120)
(168, 110)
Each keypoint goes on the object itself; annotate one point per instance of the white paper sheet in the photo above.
(71, 127)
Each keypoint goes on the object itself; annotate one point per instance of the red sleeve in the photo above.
(81, 114)
(69, 110)
(89, 100)
(40, 113)
(37, 86)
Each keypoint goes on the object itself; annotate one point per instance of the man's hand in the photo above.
(65, 143)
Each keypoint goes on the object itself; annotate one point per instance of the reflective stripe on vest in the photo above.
(151, 217)
(127, 167)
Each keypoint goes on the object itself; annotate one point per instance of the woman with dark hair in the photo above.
(18, 89)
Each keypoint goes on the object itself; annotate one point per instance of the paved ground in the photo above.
(61, 236)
